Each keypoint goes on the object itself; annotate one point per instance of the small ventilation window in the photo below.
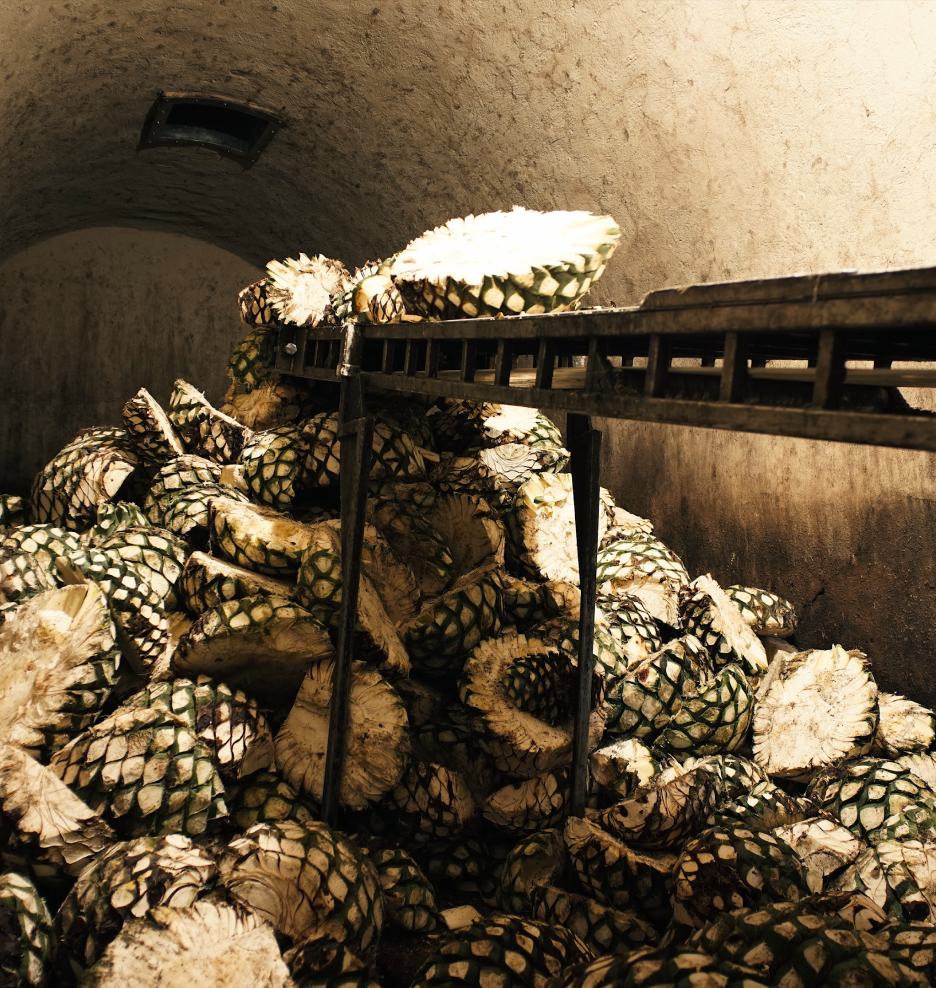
(232, 129)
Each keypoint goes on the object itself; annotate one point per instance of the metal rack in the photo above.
(813, 356)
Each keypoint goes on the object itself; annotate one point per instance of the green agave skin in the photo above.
(249, 359)
(601, 928)
(733, 868)
(409, 895)
(647, 697)
(504, 950)
(310, 882)
(815, 942)
(86, 473)
(146, 772)
(272, 463)
(871, 795)
(765, 612)
(266, 797)
(27, 942)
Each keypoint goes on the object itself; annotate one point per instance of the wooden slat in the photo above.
(410, 365)
(597, 366)
(432, 357)
(469, 360)
(389, 356)
(734, 368)
(545, 362)
(830, 370)
(657, 367)
(503, 363)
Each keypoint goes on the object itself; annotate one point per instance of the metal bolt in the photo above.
(290, 348)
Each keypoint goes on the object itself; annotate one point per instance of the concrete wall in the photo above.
(90, 317)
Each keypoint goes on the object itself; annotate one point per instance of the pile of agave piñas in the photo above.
(758, 815)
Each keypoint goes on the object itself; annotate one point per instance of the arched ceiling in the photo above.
(397, 114)
(729, 138)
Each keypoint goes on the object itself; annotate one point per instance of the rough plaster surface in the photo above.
(90, 317)
(730, 139)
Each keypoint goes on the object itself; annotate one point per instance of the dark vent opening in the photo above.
(206, 121)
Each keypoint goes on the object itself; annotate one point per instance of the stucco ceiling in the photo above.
(397, 117)
(400, 115)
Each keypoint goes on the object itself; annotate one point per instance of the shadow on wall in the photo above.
(846, 533)
(92, 316)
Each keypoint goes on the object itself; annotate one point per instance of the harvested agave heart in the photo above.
(519, 690)
(675, 808)
(42, 821)
(204, 430)
(709, 613)
(714, 716)
(250, 360)
(113, 517)
(408, 894)
(437, 798)
(150, 429)
(450, 626)
(266, 797)
(507, 951)
(137, 610)
(128, 881)
(865, 794)
(309, 882)
(823, 846)
(527, 805)
(903, 726)
(255, 308)
(235, 946)
(647, 696)
(537, 859)
(470, 528)
(27, 559)
(257, 538)
(829, 940)
(58, 660)
(299, 290)
(146, 772)
(268, 405)
(272, 463)
(262, 644)
(89, 471)
(764, 612)
(540, 526)
(624, 877)
(155, 554)
(226, 720)
(379, 613)
(377, 740)
(507, 263)
(601, 928)
(820, 708)
(727, 868)
(206, 582)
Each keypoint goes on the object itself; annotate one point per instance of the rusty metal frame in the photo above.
(825, 322)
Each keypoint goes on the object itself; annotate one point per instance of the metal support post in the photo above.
(356, 434)
(585, 443)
